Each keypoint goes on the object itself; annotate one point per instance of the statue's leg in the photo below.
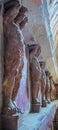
(35, 105)
(48, 95)
(8, 106)
(34, 91)
(43, 96)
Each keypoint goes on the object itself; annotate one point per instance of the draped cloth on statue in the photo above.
(22, 98)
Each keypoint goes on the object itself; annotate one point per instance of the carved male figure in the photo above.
(14, 21)
(53, 89)
(43, 81)
(35, 74)
(47, 92)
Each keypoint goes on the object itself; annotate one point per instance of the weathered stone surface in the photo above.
(40, 121)
(11, 122)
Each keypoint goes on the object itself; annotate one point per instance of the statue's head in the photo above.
(47, 72)
(38, 50)
(42, 61)
(51, 79)
(14, 12)
(34, 49)
(21, 18)
(11, 9)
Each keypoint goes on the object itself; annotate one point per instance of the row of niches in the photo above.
(53, 18)
(28, 85)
